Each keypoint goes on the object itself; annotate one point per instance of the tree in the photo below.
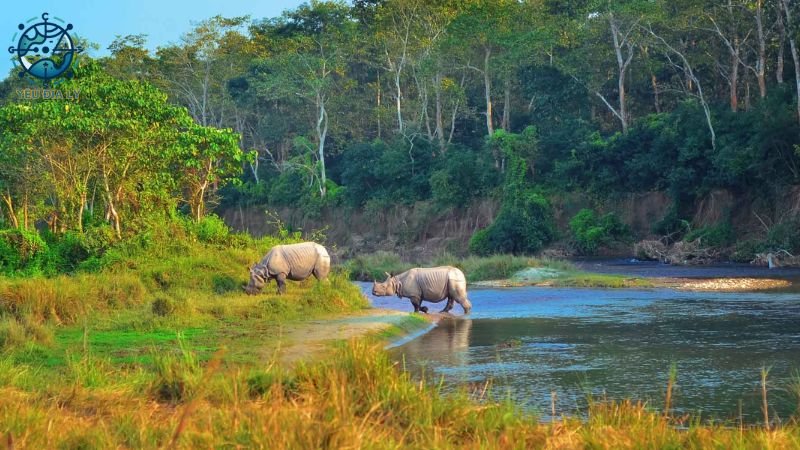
(311, 66)
(486, 30)
(121, 141)
(788, 14)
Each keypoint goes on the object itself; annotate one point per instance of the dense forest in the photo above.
(382, 104)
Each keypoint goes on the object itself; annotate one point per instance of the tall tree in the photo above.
(311, 66)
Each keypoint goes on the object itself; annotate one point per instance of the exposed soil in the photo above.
(300, 342)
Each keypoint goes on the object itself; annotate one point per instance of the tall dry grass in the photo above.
(355, 399)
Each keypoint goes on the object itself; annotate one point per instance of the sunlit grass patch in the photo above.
(583, 279)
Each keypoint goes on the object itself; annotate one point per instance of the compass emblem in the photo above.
(45, 49)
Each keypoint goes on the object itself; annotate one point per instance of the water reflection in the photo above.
(446, 344)
(619, 344)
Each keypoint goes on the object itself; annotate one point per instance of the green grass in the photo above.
(597, 280)
(493, 268)
(373, 266)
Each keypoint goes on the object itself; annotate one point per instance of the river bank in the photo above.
(510, 271)
(627, 273)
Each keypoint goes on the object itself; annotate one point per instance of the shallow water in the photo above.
(616, 344)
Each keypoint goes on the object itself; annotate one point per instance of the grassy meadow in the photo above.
(162, 349)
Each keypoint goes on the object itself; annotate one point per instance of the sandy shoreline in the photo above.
(732, 284)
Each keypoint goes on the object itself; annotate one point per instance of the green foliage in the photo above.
(719, 235)
(746, 250)
(523, 227)
(465, 176)
(785, 236)
(22, 251)
(525, 221)
(121, 142)
(225, 283)
(211, 229)
(495, 267)
(591, 232)
(672, 225)
(372, 267)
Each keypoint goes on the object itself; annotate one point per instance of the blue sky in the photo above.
(163, 21)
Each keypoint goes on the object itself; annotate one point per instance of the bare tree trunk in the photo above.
(25, 211)
(10, 205)
(112, 209)
(761, 64)
(622, 64)
(507, 105)
(733, 45)
(656, 100)
(487, 86)
(379, 104)
(455, 111)
(424, 117)
(793, 49)
(80, 212)
(734, 82)
(747, 95)
(398, 95)
(690, 75)
(781, 49)
(437, 83)
(322, 132)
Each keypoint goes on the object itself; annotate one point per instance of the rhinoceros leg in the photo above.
(416, 302)
(466, 304)
(448, 306)
(280, 279)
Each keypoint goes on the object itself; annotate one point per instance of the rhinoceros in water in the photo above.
(289, 262)
(430, 284)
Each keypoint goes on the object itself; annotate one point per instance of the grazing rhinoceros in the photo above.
(430, 284)
(289, 262)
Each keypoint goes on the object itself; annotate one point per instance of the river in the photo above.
(579, 343)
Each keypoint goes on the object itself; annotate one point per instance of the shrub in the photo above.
(745, 251)
(211, 229)
(22, 251)
(785, 236)
(163, 305)
(719, 235)
(591, 232)
(522, 227)
(66, 252)
(224, 283)
(372, 266)
(465, 175)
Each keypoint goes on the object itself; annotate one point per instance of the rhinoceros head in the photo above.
(257, 281)
(388, 287)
